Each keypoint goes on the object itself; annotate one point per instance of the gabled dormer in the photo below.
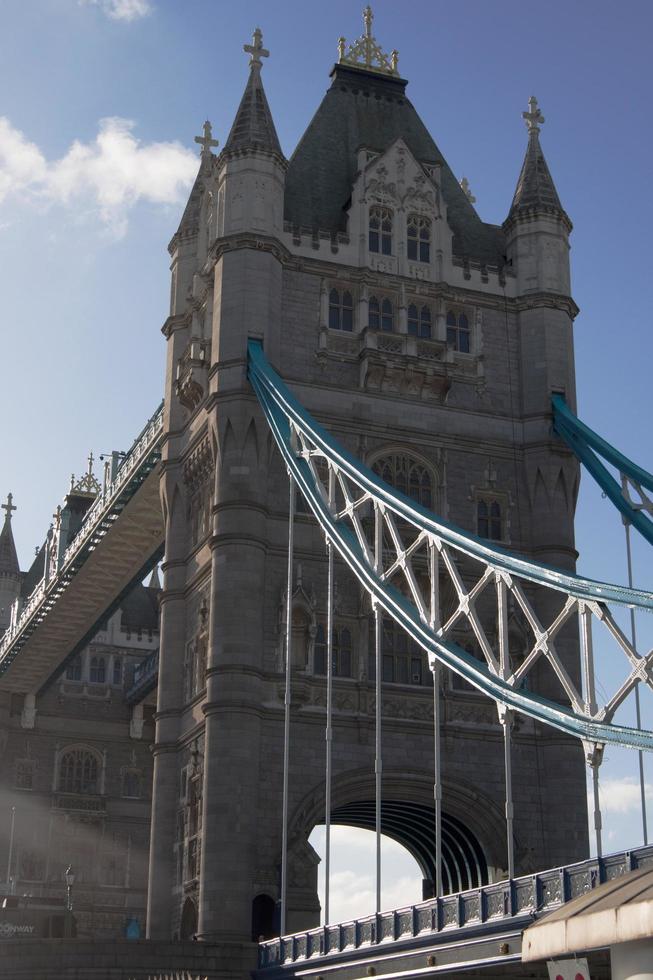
(397, 214)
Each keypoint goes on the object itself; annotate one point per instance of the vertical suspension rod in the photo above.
(378, 637)
(638, 712)
(506, 718)
(286, 700)
(329, 713)
(594, 756)
(434, 571)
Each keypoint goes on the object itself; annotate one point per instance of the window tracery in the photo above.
(79, 772)
(418, 238)
(407, 475)
(380, 230)
(74, 669)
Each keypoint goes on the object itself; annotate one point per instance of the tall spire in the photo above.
(535, 188)
(253, 128)
(8, 557)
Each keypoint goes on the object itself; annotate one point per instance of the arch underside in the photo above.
(464, 864)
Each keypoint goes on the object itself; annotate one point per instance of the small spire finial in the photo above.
(9, 507)
(366, 53)
(88, 483)
(206, 141)
(533, 116)
(467, 191)
(255, 50)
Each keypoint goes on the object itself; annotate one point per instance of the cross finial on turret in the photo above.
(9, 506)
(533, 116)
(255, 50)
(206, 141)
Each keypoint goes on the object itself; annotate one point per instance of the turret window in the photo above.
(381, 314)
(381, 230)
(401, 657)
(408, 476)
(419, 238)
(489, 522)
(341, 310)
(419, 321)
(458, 334)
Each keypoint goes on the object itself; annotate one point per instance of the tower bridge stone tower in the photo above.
(428, 342)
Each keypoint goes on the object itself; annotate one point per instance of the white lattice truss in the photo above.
(438, 583)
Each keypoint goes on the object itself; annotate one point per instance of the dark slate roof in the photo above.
(253, 128)
(190, 218)
(140, 609)
(535, 188)
(363, 108)
(8, 557)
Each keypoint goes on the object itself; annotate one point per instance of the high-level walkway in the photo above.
(119, 541)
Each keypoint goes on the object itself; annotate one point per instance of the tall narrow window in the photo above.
(341, 651)
(117, 671)
(380, 238)
(402, 658)
(419, 238)
(78, 772)
(419, 321)
(98, 671)
(489, 522)
(458, 331)
(341, 310)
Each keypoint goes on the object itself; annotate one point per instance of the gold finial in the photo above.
(533, 116)
(366, 53)
(206, 141)
(255, 50)
(467, 191)
(88, 483)
(9, 507)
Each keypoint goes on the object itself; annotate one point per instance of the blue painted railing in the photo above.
(491, 905)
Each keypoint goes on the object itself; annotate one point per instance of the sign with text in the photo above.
(569, 970)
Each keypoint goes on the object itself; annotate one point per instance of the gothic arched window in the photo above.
(407, 475)
(380, 238)
(419, 238)
(381, 314)
(419, 321)
(402, 658)
(489, 523)
(341, 651)
(78, 772)
(341, 310)
(98, 670)
(458, 333)
(117, 671)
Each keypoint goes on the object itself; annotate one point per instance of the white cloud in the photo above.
(126, 10)
(106, 176)
(620, 795)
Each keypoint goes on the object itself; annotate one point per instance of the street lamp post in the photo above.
(69, 875)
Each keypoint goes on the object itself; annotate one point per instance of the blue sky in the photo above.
(100, 102)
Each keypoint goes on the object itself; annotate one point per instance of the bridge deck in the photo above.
(481, 927)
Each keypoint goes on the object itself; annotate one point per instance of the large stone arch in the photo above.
(474, 832)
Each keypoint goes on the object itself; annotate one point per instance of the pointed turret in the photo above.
(536, 192)
(253, 127)
(8, 557)
(10, 577)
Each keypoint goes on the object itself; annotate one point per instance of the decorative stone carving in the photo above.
(191, 373)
